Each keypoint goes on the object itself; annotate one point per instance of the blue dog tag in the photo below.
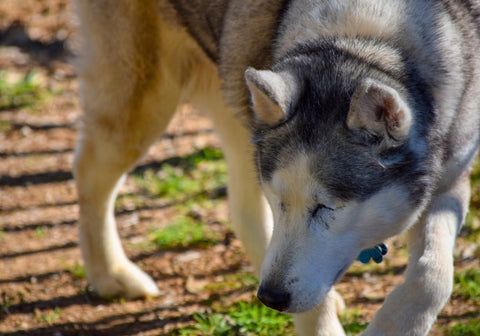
(376, 253)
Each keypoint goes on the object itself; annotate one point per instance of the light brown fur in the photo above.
(135, 69)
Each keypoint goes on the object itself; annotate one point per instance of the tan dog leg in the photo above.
(250, 214)
(125, 108)
(323, 319)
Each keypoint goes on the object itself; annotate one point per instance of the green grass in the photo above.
(77, 270)
(191, 176)
(187, 180)
(21, 93)
(205, 154)
(469, 328)
(467, 284)
(40, 232)
(184, 232)
(5, 126)
(6, 300)
(240, 319)
(233, 282)
(358, 268)
(49, 316)
(350, 320)
(471, 229)
(253, 318)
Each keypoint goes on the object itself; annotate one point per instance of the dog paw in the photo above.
(124, 280)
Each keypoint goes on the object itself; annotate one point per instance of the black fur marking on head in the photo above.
(347, 164)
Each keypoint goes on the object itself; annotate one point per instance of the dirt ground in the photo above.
(40, 292)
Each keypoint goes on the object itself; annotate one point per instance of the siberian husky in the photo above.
(343, 122)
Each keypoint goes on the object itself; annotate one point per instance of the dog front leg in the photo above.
(249, 211)
(323, 319)
(412, 308)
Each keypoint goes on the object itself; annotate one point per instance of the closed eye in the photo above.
(318, 209)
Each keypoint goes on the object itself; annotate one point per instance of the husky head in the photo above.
(343, 165)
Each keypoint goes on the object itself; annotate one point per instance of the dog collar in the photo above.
(376, 253)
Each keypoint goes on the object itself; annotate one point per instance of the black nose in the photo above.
(273, 297)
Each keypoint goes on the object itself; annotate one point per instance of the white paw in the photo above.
(124, 279)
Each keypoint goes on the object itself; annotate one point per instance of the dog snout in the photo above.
(274, 297)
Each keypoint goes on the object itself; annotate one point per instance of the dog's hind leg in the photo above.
(412, 308)
(126, 103)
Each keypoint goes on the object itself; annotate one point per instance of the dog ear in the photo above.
(271, 94)
(377, 108)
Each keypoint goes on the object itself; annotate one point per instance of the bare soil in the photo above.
(40, 294)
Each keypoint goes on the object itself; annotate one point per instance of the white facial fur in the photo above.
(308, 255)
